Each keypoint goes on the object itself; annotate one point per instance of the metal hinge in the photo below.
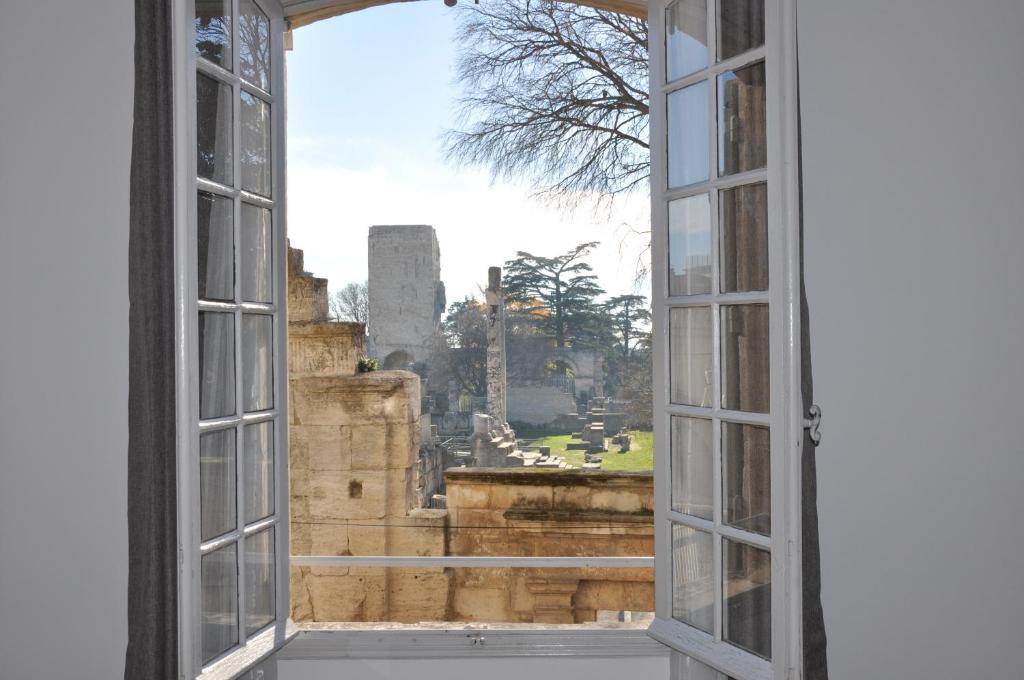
(813, 424)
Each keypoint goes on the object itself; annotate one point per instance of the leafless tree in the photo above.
(555, 93)
(351, 303)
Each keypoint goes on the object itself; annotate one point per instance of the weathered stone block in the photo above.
(358, 494)
(321, 447)
(369, 446)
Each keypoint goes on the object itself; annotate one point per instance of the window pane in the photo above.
(255, 145)
(740, 26)
(746, 477)
(686, 37)
(692, 467)
(213, 129)
(742, 134)
(217, 475)
(254, 44)
(690, 350)
(257, 361)
(216, 364)
(745, 384)
(689, 245)
(693, 588)
(259, 471)
(257, 249)
(688, 135)
(216, 238)
(747, 612)
(260, 588)
(220, 601)
(213, 31)
(744, 217)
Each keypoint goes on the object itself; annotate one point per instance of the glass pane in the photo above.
(257, 249)
(740, 26)
(692, 467)
(260, 588)
(216, 364)
(744, 216)
(747, 611)
(254, 44)
(257, 361)
(217, 475)
(742, 133)
(745, 385)
(688, 135)
(690, 350)
(689, 245)
(686, 37)
(255, 145)
(693, 588)
(746, 477)
(213, 31)
(259, 471)
(213, 129)
(216, 239)
(219, 601)
(684, 667)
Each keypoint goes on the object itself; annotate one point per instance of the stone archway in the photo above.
(304, 12)
(397, 360)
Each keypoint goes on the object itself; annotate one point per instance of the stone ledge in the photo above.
(548, 477)
(643, 518)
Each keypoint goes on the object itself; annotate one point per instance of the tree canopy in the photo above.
(555, 93)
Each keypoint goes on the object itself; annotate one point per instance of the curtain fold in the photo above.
(152, 652)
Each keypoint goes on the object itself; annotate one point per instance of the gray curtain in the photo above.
(152, 652)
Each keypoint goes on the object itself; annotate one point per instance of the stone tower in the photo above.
(406, 295)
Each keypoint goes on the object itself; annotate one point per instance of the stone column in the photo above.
(496, 387)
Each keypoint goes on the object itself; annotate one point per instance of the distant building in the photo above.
(406, 295)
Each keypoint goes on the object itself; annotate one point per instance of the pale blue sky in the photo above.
(370, 94)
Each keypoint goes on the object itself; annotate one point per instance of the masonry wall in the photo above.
(538, 404)
(526, 512)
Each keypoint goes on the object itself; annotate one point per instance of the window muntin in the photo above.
(234, 539)
(739, 395)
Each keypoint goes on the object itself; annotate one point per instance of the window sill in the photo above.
(256, 650)
(425, 641)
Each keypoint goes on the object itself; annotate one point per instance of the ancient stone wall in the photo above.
(538, 404)
(406, 296)
(518, 511)
(353, 459)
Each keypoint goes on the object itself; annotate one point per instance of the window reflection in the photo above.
(213, 130)
(254, 44)
(743, 213)
(219, 577)
(259, 471)
(213, 31)
(688, 135)
(742, 132)
(216, 364)
(690, 350)
(692, 467)
(746, 477)
(689, 245)
(740, 26)
(693, 588)
(217, 475)
(257, 361)
(745, 357)
(216, 254)
(686, 37)
(255, 145)
(747, 611)
(260, 591)
(257, 249)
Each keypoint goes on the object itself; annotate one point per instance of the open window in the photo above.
(232, 477)
(727, 421)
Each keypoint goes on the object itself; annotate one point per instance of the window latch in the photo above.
(813, 424)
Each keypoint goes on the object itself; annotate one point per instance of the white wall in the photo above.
(913, 149)
(65, 142)
(520, 668)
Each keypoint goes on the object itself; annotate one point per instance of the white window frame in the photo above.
(786, 420)
(187, 308)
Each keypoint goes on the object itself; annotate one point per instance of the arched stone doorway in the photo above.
(304, 12)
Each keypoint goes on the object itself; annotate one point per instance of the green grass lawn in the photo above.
(640, 456)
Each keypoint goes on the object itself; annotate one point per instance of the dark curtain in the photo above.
(815, 658)
(152, 652)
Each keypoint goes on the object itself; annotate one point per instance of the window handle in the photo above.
(813, 424)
